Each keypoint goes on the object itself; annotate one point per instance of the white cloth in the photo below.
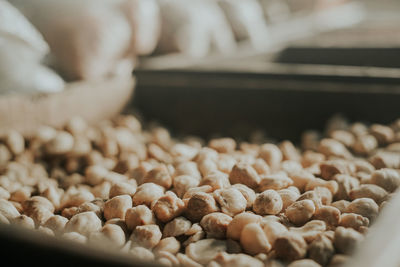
(22, 49)
(90, 39)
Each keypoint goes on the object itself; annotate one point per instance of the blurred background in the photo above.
(233, 65)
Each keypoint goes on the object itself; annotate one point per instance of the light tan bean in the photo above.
(5, 155)
(248, 194)
(192, 191)
(183, 183)
(168, 244)
(186, 261)
(159, 176)
(310, 230)
(238, 222)
(168, 207)
(36, 202)
(117, 207)
(313, 196)
(317, 182)
(15, 142)
(363, 166)
(291, 166)
(142, 254)
(275, 181)
(290, 246)
(147, 236)
(321, 250)
(310, 158)
(310, 140)
(346, 239)
(74, 236)
(332, 167)
(139, 215)
(301, 211)
(8, 210)
(338, 260)
(304, 263)
(231, 201)
(56, 223)
(189, 168)
(110, 235)
(224, 259)
(324, 195)
(273, 230)
(378, 194)
(268, 202)
(194, 229)
(254, 240)
(205, 250)
(388, 179)
(330, 147)
(330, 215)
(271, 154)
(223, 145)
(84, 223)
(122, 188)
(261, 167)
(344, 137)
(300, 179)
(69, 212)
(288, 197)
(365, 144)
(215, 224)
(20, 195)
(386, 159)
(95, 174)
(102, 190)
(199, 205)
(346, 183)
(289, 151)
(177, 227)
(183, 151)
(244, 174)
(23, 221)
(62, 143)
(341, 205)
(384, 134)
(216, 179)
(97, 206)
(76, 199)
(352, 220)
(365, 207)
(147, 193)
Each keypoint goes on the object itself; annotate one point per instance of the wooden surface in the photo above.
(93, 101)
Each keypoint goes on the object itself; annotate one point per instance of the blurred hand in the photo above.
(22, 49)
(194, 28)
(94, 38)
(247, 21)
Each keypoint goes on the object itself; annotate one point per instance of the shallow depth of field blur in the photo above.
(48, 43)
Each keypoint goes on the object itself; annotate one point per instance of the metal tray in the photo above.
(235, 97)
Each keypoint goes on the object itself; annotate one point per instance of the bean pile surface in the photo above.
(191, 203)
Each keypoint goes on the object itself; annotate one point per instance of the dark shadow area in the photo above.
(283, 105)
(346, 56)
